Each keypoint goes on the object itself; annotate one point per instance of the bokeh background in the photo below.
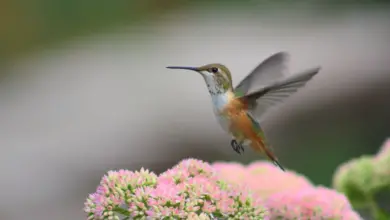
(84, 89)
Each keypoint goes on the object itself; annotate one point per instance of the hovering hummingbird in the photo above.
(240, 109)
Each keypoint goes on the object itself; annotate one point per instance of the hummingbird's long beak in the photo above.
(183, 68)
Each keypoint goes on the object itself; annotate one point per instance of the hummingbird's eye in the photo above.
(214, 69)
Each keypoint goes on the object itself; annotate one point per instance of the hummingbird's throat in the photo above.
(216, 84)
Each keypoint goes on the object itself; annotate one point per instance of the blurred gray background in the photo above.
(84, 90)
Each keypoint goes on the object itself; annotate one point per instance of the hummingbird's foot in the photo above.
(237, 147)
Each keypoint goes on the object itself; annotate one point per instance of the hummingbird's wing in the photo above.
(266, 72)
(269, 96)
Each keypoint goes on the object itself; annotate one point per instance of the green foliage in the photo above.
(364, 179)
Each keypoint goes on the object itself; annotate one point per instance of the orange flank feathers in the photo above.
(243, 128)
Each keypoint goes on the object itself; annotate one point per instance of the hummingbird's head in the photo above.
(217, 77)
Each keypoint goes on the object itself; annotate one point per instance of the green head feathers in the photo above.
(217, 76)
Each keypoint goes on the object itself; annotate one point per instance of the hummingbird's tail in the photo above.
(261, 146)
(272, 157)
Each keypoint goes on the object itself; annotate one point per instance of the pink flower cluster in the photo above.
(311, 203)
(263, 178)
(288, 195)
(117, 189)
(190, 190)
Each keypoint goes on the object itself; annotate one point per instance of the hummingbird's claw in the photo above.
(236, 146)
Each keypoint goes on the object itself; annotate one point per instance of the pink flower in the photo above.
(261, 177)
(197, 184)
(311, 203)
(287, 195)
(190, 187)
(113, 190)
(230, 171)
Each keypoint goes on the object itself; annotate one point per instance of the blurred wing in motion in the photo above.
(265, 73)
(261, 100)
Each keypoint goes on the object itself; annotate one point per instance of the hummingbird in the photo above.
(241, 109)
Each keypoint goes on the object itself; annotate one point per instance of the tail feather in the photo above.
(261, 147)
(272, 157)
